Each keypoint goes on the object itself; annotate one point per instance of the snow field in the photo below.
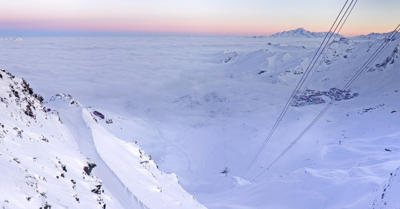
(199, 105)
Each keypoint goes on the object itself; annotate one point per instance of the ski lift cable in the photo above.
(295, 91)
(366, 64)
(326, 44)
(387, 40)
(372, 58)
(323, 57)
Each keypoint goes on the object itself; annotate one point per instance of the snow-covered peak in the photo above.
(299, 33)
(372, 36)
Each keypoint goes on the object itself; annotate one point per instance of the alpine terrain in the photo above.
(176, 122)
(56, 155)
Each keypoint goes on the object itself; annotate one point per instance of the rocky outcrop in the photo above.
(38, 159)
(390, 60)
(387, 196)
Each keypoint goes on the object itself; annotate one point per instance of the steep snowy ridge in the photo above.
(132, 166)
(387, 196)
(40, 167)
(389, 61)
(44, 165)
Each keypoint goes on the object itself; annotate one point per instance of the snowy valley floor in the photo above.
(200, 106)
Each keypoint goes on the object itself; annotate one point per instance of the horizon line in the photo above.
(94, 33)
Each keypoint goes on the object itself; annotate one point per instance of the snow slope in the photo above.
(44, 165)
(202, 106)
(387, 196)
(40, 165)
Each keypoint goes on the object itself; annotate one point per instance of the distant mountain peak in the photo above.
(299, 33)
(373, 36)
(299, 29)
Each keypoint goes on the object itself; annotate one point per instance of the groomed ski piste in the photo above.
(201, 107)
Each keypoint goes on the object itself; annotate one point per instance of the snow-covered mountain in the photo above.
(57, 155)
(202, 107)
(372, 36)
(299, 33)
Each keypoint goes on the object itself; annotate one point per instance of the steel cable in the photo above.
(298, 86)
(372, 58)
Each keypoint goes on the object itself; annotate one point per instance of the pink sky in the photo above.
(205, 17)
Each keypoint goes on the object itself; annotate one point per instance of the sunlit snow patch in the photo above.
(241, 182)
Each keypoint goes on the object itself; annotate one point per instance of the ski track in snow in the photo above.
(180, 150)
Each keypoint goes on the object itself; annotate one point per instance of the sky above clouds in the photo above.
(191, 17)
